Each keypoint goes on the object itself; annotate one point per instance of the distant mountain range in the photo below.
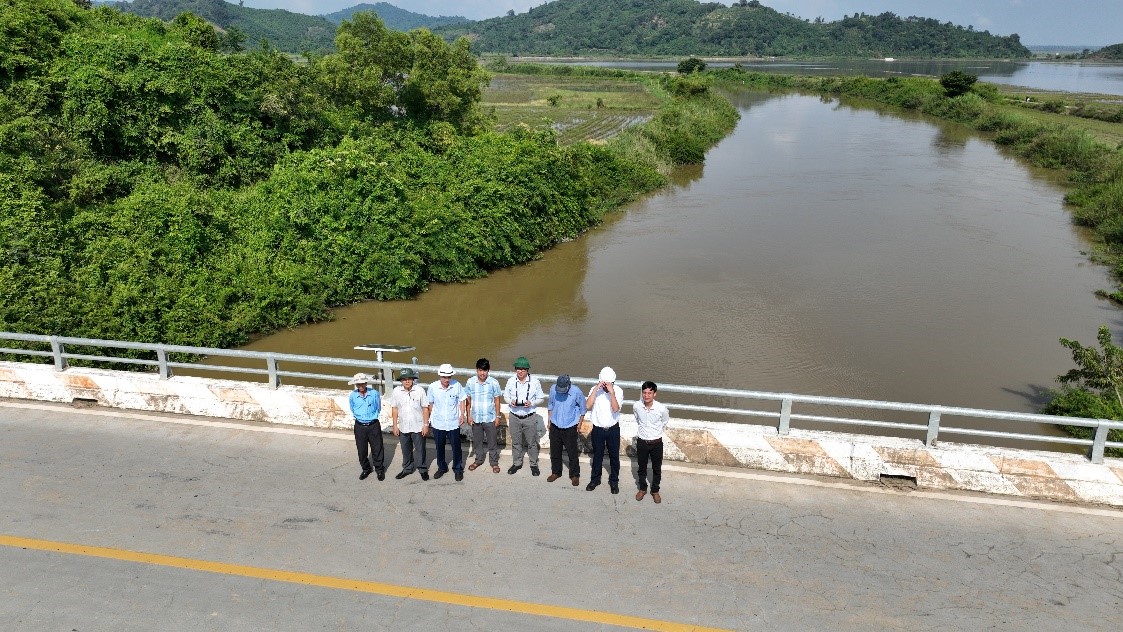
(622, 27)
(688, 27)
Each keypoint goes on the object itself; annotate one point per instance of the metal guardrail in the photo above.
(784, 414)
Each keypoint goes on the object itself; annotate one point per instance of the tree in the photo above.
(957, 82)
(691, 65)
(232, 40)
(196, 31)
(1096, 369)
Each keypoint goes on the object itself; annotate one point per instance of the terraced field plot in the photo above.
(579, 108)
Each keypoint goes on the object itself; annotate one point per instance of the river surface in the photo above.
(1070, 76)
(824, 248)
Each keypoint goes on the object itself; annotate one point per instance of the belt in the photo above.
(650, 441)
(522, 416)
(366, 423)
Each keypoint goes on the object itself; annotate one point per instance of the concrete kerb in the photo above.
(947, 466)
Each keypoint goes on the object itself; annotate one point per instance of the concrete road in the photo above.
(121, 521)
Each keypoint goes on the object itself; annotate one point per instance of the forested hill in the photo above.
(688, 27)
(286, 31)
(1109, 53)
(395, 18)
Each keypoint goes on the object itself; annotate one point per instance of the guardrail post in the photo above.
(162, 358)
(785, 417)
(933, 428)
(58, 349)
(1097, 454)
(274, 379)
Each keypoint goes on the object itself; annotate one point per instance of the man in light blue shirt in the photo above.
(564, 410)
(446, 415)
(366, 406)
(483, 413)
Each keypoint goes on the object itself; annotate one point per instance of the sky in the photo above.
(1038, 22)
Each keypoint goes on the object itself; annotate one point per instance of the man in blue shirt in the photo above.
(446, 415)
(483, 413)
(564, 410)
(366, 405)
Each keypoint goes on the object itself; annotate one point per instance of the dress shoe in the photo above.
(514, 468)
(640, 494)
(615, 489)
(591, 486)
(439, 474)
(575, 480)
(401, 475)
(534, 470)
(460, 476)
(552, 477)
(655, 496)
(382, 476)
(364, 475)
(424, 476)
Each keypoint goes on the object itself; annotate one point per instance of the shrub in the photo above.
(957, 82)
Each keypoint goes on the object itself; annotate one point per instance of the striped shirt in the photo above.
(482, 396)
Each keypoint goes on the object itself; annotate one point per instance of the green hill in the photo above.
(687, 27)
(395, 18)
(1109, 53)
(284, 30)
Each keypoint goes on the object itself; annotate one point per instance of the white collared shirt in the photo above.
(652, 420)
(600, 413)
(409, 404)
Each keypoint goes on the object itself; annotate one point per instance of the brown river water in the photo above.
(824, 248)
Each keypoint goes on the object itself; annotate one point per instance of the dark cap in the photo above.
(562, 385)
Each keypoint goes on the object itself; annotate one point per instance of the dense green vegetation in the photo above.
(395, 18)
(1094, 388)
(284, 30)
(1095, 171)
(688, 27)
(153, 188)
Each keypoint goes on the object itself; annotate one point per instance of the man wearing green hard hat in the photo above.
(523, 394)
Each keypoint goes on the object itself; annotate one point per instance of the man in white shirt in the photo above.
(523, 394)
(409, 411)
(603, 404)
(652, 418)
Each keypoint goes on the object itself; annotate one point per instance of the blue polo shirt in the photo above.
(366, 409)
(566, 409)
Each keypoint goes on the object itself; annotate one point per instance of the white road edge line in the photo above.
(701, 470)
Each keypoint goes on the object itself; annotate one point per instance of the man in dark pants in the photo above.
(652, 418)
(366, 405)
(564, 409)
(603, 404)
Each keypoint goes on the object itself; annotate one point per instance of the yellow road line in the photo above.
(377, 588)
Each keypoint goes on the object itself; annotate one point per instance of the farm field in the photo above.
(578, 108)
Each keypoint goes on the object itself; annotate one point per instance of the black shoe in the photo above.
(614, 488)
(401, 475)
(424, 476)
(460, 476)
(382, 476)
(440, 473)
(514, 468)
(534, 470)
(365, 474)
(591, 486)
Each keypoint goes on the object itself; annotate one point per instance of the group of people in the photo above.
(447, 406)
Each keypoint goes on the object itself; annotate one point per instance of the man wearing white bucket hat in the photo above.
(446, 415)
(366, 406)
(603, 404)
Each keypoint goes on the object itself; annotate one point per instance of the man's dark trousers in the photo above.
(654, 451)
(370, 434)
(567, 438)
(606, 439)
(440, 437)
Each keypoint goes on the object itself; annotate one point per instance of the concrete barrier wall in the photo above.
(1022, 473)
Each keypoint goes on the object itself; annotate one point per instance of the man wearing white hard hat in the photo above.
(366, 406)
(446, 415)
(603, 404)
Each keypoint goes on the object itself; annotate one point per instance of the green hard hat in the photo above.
(522, 363)
(407, 374)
